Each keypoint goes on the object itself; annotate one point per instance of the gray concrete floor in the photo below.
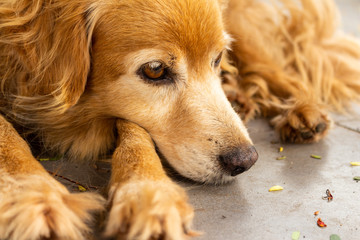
(245, 210)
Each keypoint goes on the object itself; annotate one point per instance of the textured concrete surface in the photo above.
(350, 14)
(245, 210)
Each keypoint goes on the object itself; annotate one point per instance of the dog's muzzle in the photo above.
(238, 160)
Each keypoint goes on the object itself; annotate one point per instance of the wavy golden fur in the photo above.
(45, 56)
(292, 58)
(72, 71)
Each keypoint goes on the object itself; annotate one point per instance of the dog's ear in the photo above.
(71, 46)
(48, 48)
(71, 63)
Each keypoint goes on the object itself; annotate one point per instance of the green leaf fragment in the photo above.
(357, 178)
(315, 156)
(295, 236)
(81, 188)
(55, 158)
(281, 158)
(50, 159)
(334, 237)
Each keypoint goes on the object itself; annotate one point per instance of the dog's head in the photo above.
(155, 63)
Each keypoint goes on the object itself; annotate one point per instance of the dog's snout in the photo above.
(238, 160)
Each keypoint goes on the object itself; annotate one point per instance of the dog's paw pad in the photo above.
(149, 210)
(304, 123)
(35, 208)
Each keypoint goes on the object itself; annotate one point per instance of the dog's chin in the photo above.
(211, 179)
(218, 179)
(214, 178)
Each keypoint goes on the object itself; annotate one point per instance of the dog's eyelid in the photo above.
(218, 59)
(155, 64)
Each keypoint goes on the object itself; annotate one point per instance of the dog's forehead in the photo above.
(195, 27)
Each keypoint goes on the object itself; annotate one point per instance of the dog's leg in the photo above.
(33, 205)
(145, 203)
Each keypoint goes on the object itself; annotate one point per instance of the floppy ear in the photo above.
(71, 49)
(48, 48)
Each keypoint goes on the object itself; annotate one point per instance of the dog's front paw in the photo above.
(149, 210)
(305, 123)
(36, 207)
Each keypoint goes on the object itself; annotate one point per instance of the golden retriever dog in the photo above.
(139, 79)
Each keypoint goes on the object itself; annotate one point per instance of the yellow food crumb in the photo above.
(355, 163)
(276, 188)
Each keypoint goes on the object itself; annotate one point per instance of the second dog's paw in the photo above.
(149, 210)
(36, 207)
(305, 123)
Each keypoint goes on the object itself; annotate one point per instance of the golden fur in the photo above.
(71, 71)
(33, 205)
(294, 64)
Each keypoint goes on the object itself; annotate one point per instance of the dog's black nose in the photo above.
(238, 160)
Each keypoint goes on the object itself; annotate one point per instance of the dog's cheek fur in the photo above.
(204, 126)
(197, 124)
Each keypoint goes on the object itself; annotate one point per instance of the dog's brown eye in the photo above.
(218, 60)
(154, 70)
